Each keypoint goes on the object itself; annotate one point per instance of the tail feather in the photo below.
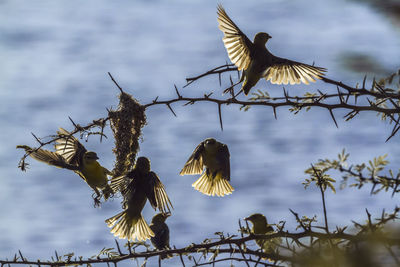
(125, 227)
(213, 186)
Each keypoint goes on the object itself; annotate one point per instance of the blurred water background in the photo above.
(55, 56)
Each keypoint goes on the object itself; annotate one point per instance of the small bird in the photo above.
(137, 186)
(261, 227)
(160, 240)
(257, 62)
(214, 156)
(71, 154)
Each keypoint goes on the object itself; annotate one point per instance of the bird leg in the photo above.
(96, 197)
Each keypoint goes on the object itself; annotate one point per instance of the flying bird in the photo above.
(261, 227)
(71, 154)
(257, 62)
(137, 186)
(160, 240)
(214, 157)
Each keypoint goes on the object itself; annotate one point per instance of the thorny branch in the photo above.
(223, 245)
(386, 102)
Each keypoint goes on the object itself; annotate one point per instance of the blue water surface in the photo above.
(55, 56)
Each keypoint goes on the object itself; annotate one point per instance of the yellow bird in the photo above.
(136, 187)
(261, 227)
(71, 154)
(257, 62)
(214, 157)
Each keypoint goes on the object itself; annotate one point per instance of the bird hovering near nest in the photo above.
(71, 154)
(137, 186)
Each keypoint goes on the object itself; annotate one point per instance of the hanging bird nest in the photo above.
(126, 123)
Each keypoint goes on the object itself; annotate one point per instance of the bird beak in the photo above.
(246, 219)
(167, 214)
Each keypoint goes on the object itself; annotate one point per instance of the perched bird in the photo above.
(160, 240)
(137, 186)
(257, 62)
(214, 156)
(71, 154)
(261, 227)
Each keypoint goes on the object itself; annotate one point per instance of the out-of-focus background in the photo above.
(55, 56)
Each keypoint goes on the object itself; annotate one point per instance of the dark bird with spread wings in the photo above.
(257, 62)
(214, 156)
(136, 187)
(71, 154)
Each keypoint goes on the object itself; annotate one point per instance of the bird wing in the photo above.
(156, 194)
(222, 157)
(120, 184)
(284, 71)
(69, 147)
(194, 165)
(237, 44)
(48, 157)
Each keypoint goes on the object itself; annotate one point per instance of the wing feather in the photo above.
(286, 71)
(223, 159)
(69, 147)
(157, 195)
(236, 42)
(194, 165)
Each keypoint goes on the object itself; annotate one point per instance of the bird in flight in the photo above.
(137, 186)
(257, 62)
(214, 156)
(71, 154)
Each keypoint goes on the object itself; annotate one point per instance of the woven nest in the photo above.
(126, 123)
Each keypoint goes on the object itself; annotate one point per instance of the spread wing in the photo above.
(236, 42)
(156, 194)
(120, 184)
(194, 165)
(223, 159)
(284, 71)
(69, 147)
(48, 157)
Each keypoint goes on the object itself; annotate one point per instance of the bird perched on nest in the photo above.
(71, 154)
(160, 240)
(136, 187)
(214, 156)
(257, 62)
(261, 227)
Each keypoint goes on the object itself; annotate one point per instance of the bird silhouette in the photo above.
(257, 62)
(137, 186)
(214, 157)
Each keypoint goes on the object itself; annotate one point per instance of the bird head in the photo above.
(143, 164)
(160, 217)
(211, 145)
(261, 38)
(90, 156)
(257, 219)
(209, 142)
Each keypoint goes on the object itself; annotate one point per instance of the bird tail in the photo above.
(124, 226)
(212, 186)
(246, 87)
